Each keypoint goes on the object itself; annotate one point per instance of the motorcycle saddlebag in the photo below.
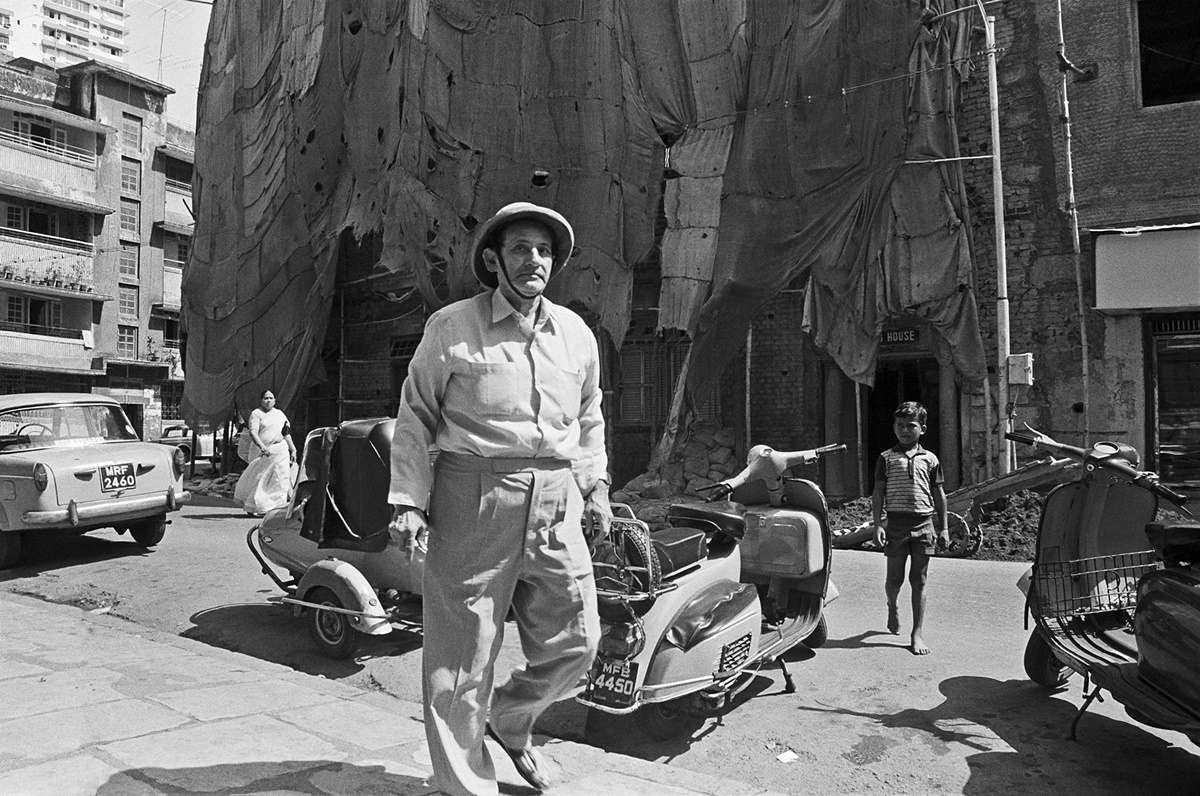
(1167, 624)
(782, 542)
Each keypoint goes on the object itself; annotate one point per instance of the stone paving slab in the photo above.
(95, 706)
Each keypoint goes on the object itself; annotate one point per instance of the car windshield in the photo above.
(67, 425)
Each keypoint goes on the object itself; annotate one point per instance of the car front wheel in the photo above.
(149, 532)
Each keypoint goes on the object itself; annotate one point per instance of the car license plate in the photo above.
(116, 477)
(613, 683)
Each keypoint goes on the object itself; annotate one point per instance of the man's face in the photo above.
(907, 429)
(528, 251)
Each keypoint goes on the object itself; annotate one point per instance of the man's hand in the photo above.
(880, 534)
(409, 529)
(597, 514)
(944, 538)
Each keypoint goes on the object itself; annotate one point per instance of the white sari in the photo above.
(267, 482)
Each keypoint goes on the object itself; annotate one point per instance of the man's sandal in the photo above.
(528, 762)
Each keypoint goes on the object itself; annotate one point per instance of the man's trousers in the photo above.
(503, 532)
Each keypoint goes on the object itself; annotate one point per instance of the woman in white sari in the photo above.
(267, 481)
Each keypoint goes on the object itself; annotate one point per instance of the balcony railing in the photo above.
(82, 246)
(178, 185)
(45, 331)
(44, 146)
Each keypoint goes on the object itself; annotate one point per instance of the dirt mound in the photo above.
(1009, 525)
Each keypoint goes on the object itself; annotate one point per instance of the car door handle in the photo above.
(142, 469)
(85, 475)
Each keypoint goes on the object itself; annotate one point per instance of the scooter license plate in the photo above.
(612, 683)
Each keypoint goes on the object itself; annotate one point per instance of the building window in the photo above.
(127, 342)
(179, 174)
(131, 217)
(130, 255)
(34, 315)
(131, 132)
(1169, 51)
(131, 175)
(171, 334)
(1177, 400)
(127, 302)
(14, 217)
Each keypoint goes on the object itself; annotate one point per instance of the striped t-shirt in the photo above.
(910, 476)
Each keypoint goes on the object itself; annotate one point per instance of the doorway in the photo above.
(897, 381)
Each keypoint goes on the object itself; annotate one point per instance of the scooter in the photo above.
(1114, 595)
(691, 612)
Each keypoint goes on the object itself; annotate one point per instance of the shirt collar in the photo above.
(501, 308)
(915, 450)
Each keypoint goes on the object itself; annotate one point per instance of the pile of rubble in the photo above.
(215, 486)
(707, 458)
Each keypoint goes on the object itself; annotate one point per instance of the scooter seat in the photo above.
(679, 548)
(1176, 543)
(725, 516)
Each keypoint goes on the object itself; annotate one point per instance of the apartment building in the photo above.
(64, 32)
(95, 190)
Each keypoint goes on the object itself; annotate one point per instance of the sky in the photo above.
(166, 45)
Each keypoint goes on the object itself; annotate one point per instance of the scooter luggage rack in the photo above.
(1091, 585)
(640, 580)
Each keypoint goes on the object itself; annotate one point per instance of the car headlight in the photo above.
(179, 461)
(41, 477)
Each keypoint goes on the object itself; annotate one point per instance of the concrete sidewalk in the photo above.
(95, 705)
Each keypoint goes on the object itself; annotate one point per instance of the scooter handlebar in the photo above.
(1146, 480)
(1037, 438)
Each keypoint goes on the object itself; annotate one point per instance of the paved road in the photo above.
(868, 717)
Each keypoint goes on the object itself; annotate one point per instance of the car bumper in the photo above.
(129, 508)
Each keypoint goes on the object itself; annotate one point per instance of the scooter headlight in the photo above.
(622, 640)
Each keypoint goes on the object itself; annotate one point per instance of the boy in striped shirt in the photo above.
(908, 483)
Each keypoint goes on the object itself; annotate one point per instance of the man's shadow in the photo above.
(315, 777)
(1109, 756)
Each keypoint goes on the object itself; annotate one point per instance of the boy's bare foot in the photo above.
(893, 624)
(918, 646)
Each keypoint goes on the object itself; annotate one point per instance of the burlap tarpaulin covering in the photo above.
(417, 120)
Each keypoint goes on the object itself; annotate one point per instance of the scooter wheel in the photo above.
(1042, 666)
(819, 636)
(663, 721)
(331, 631)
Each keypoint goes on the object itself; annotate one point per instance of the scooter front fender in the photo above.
(352, 588)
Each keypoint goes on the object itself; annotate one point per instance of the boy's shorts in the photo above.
(910, 533)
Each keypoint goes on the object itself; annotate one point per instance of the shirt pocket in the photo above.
(562, 392)
(497, 389)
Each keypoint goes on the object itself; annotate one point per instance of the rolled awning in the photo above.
(34, 195)
(176, 229)
(54, 114)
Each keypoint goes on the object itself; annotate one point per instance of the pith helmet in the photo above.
(560, 231)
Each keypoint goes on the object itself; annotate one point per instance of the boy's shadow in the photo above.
(860, 641)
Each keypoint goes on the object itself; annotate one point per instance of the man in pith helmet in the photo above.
(506, 385)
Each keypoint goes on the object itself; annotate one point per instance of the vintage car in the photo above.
(180, 436)
(72, 461)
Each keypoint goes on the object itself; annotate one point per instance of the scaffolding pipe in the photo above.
(1073, 212)
(1003, 407)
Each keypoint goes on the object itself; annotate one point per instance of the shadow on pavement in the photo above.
(45, 551)
(270, 632)
(1020, 733)
(317, 777)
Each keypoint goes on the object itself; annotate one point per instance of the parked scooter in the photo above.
(1115, 596)
(690, 613)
